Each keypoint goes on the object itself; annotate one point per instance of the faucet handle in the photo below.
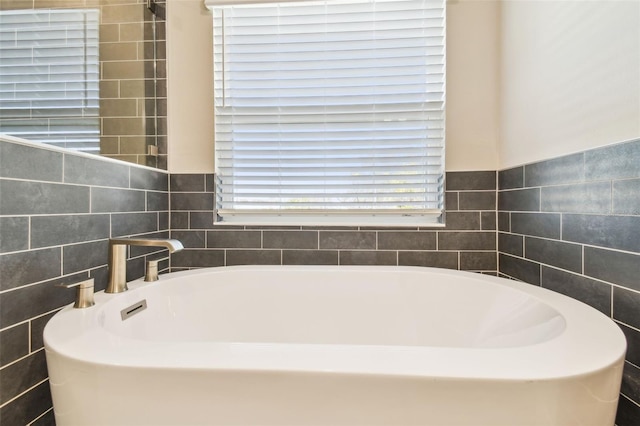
(151, 271)
(84, 293)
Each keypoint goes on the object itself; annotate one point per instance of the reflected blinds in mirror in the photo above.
(49, 77)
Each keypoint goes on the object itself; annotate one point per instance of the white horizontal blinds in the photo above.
(49, 77)
(330, 107)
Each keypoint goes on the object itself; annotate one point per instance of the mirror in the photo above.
(87, 75)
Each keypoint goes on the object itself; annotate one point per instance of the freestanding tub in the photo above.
(309, 345)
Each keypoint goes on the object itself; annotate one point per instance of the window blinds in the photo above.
(330, 108)
(49, 77)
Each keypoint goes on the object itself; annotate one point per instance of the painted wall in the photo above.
(570, 77)
(472, 86)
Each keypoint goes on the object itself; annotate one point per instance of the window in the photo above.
(49, 77)
(330, 112)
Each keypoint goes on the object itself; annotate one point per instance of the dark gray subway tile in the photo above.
(27, 407)
(478, 261)
(190, 239)
(631, 382)
(210, 182)
(406, 240)
(473, 180)
(47, 419)
(626, 305)
(618, 161)
(555, 253)
(477, 200)
(613, 266)
(187, 182)
(191, 201)
(95, 171)
(190, 258)
(107, 200)
(20, 376)
(253, 257)
(593, 197)
(545, 225)
(520, 269)
(123, 224)
(451, 201)
(435, 259)
(459, 221)
(234, 239)
(519, 200)
(378, 257)
(15, 234)
(363, 240)
(466, 241)
(180, 220)
(29, 198)
(79, 257)
(57, 230)
(37, 330)
(31, 301)
(616, 232)
(290, 239)
(561, 170)
(628, 413)
(633, 343)
(504, 221)
(18, 269)
(594, 293)
(163, 221)
(153, 180)
(626, 196)
(205, 220)
(309, 257)
(157, 201)
(19, 161)
(511, 178)
(135, 268)
(14, 343)
(511, 244)
(488, 221)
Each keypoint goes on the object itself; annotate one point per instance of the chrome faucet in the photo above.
(118, 258)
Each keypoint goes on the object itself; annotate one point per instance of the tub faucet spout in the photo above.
(118, 258)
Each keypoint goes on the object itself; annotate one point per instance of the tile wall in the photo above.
(572, 224)
(57, 212)
(468, 241)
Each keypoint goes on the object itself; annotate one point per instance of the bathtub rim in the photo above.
(531, 362)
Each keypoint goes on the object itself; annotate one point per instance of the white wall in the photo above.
(570, 77)
(472, 110)
(473, 33)
(189, 87)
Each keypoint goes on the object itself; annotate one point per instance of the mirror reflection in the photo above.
(86, 75)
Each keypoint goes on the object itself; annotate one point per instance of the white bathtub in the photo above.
(309, 345)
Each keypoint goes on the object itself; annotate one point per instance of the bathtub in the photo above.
(315, 345)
